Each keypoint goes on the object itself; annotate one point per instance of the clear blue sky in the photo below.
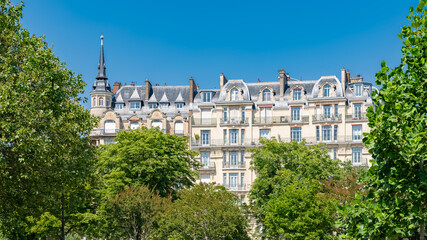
(169, 41)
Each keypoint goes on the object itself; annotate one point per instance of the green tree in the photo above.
(148, 157)
(287, 173)
(205, 211)
(135, 212)
(395, 205)
(46, 162)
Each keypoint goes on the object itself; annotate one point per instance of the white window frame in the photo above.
(205, 158)
(296, 134)
(357, 132)
(266, 95)
(358, 90)
(357, 156)
(297, 94)
(206, 97)
(234, 94)
(326, 133)
(133, 125)
(179, 105)
(296, 113)
(134, 105)
(152, 105)
(205, 137)
(119, 106)
(327, 90)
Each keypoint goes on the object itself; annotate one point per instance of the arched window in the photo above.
(101, 101)
(110, 126)
(93, 102)
(327, 90)
(179, 127)
(234, 94)
(134, 125)
(266, 95)
(157, 123)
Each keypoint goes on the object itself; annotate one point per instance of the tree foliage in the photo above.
(285, 194)
(148, 157)
(46, 163)
(206, 211)
(135, 213)
(396, 199)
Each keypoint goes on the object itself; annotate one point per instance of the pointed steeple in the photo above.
(101, 65)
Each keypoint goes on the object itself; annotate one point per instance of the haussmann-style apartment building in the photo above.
(222, 124)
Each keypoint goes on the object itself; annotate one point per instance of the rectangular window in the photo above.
(179, 105)
(242, 137)
(357, 156)
(296, 113)
(265, 115)
(205, 159)
(134, 125)
(233, 158)
(296, 134)
(119, 106)
(318, 133)
(152, 105)
(108, 141)
(358, 89)
(206, 96)
(224, 158)
(335, 154)
(243, 115)
(135, 105)
(225, 115)
(336, 111)
(357, 111)
(225, 179)
(326, 133)
(327, 111)
(242, 180)
(264, 133)
(242, 200)
(225, 136)
(242, 158)
(234, 136)
(357, 132)
(164, 105)
(205, 178)
(233, 180)
(335, 132)
(297, 94)
(205, 137)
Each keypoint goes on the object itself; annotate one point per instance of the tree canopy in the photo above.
(205, 211)
(148, 157)
(396, 199)
(46, 162)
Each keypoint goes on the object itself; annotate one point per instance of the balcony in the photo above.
(203, 121)
(207, 167)
(103, 132)
(339, 139)
(234, 165)
(360, 162)
(327, 118)
(356, 117)
(234, 121)
(237, 187)
(219, 142)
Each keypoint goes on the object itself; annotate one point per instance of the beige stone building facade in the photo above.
(222, 124)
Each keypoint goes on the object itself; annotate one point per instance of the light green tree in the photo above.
(46, 162)
(396, 202)
(205, 211)
(285, 195)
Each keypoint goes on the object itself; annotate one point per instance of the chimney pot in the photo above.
(164, 84)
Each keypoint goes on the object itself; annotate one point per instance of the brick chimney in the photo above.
(116, 87)
(147, 89)
(222, 81)
(283, 77)
(193, 88)
(343, 78)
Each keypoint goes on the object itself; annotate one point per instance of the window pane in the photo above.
(357, 132)
(326, 133)
(297, 94)
(295, 111)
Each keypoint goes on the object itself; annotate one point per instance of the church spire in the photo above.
(101, 65)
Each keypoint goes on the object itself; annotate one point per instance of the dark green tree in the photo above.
(288, 173)
(396, 203)
(46, 162)
(135, 213)
(205, 211)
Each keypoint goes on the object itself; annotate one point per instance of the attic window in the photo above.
(206, 96)
(234, 95)
(164, 105)
(179, 105)
(153, 105)
(135, 105)
(327, 90)
(297, 94)
(266, 95)
(358, 90)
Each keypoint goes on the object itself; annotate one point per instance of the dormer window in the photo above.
(297, 94)
(206, 97)
(179, 105)
(266, 95)
(119, 106)
(358, 90)
(234, 94)
(152, 105)
(327, 90)
(135, 105)
(164, 105)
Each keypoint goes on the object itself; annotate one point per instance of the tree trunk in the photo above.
(422, 231)
(62, 219)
